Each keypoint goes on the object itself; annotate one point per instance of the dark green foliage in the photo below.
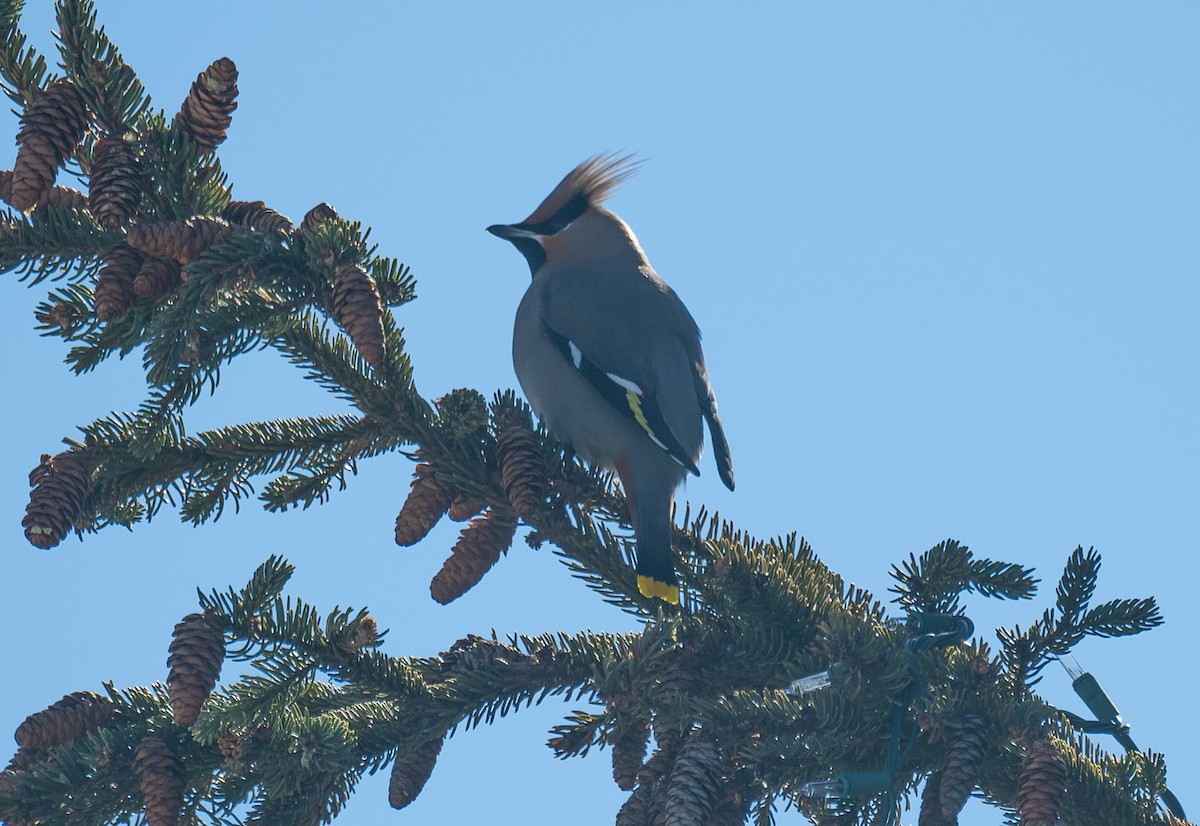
(1026, 653)
(936, 581)
(93, 62)
(325, 704)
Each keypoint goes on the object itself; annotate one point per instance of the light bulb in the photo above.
(1071, 666)
(814, 682)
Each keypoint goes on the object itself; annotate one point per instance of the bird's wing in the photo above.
(627, 350)
(708, 406)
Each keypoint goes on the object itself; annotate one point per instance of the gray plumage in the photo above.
(610, 358)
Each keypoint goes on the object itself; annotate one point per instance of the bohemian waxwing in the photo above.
(610, 359)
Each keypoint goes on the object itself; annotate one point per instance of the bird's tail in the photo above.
(655, 560)
(649, 492)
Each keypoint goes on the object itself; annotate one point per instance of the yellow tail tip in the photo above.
(651, 587)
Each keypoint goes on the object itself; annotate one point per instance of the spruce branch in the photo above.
(23, 70)
(1026, 653)
(936, 581)
(324, 703)
(94, 63)
(52, 243)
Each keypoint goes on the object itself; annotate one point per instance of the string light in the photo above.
(814, 682)
(1108, 719)
(926, 630)
(929, 630)
(846, 787)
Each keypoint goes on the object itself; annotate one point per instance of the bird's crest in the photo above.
(592, 181)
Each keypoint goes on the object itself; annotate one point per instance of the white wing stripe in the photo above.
(625, 383)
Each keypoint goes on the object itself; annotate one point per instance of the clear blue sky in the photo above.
(944, 257)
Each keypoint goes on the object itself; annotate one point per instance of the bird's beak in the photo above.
(511, 232)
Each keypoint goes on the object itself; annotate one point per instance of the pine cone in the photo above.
(931, 804)
(62, 197)
(196, 654)
(427, 502)
(478, 548)
(410, 773)
(1041, 784)
(358, 309)
(114, 286)
(74, 716)
(63, 483)
(22, 760)
(115, 187)
(667, 743)
(232, 747)
(256, 215)
(157, 278)
(964, 760)
(629, 752)
(42, 470)
(51, 129)
(9, 812)
(315, 217)
(638, 810)
(162, 780)
(695, 784)
(731, 808)
(680, 674)
(183, 241)
(462, 508)
(522, 471)
(208, 109)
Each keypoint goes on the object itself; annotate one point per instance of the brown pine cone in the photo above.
(1041, 784)
(462, 508)
(964, 761)
(316, 216)
(478, 548)
(208, 109)
(358, 309)
(639, 809)
(56, 501)
(42, 470)
(410, 773)
(427, 502)
(74, 716)
(232, 747)
(522, 471)
(23, 759)
(157, 278)
(62, 197)
(196, 654)
(114, 286)
(256, 215)
(694, 786)
(666, 747)
(183, 241)
(931, 804)
(161, 777)
(680, 673)
(731, 809)
(51, 129)
(115, 187)
(629, 751)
